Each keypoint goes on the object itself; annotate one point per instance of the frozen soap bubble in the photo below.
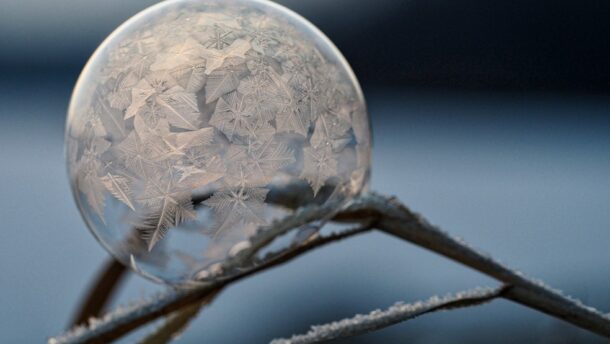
(197, 122)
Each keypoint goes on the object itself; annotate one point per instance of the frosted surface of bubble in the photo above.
(197, 122)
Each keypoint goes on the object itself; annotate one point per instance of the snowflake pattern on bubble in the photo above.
(197, 122)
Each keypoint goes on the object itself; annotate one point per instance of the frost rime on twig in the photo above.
(399, 312)
(377, 211)
(125, 318)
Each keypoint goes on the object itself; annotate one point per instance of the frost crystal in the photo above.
(193, 114)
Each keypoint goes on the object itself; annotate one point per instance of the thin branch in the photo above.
(284, 256)
(388, 215)
(399, 312)
(266, 234)
(109, 278)
(175, 324)
(124, 319)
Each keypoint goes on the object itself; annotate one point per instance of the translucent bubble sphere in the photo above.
(197, 122)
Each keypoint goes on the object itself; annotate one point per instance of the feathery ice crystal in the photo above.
(198, 121)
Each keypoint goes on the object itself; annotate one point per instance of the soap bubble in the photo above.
(197, 122)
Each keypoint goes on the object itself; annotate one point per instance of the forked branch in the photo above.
(370, 210)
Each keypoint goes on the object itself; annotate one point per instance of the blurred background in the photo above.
(491, 118)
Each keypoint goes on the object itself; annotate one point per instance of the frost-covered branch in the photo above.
(108, 280)
(124, 319)
(383, 213)
(394, 218)
(399, 312)
(176, 323)
(243, 253)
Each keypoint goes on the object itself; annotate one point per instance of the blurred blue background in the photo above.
(490, 118)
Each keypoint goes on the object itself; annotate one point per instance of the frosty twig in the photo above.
(372, 210)
(399, 312)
